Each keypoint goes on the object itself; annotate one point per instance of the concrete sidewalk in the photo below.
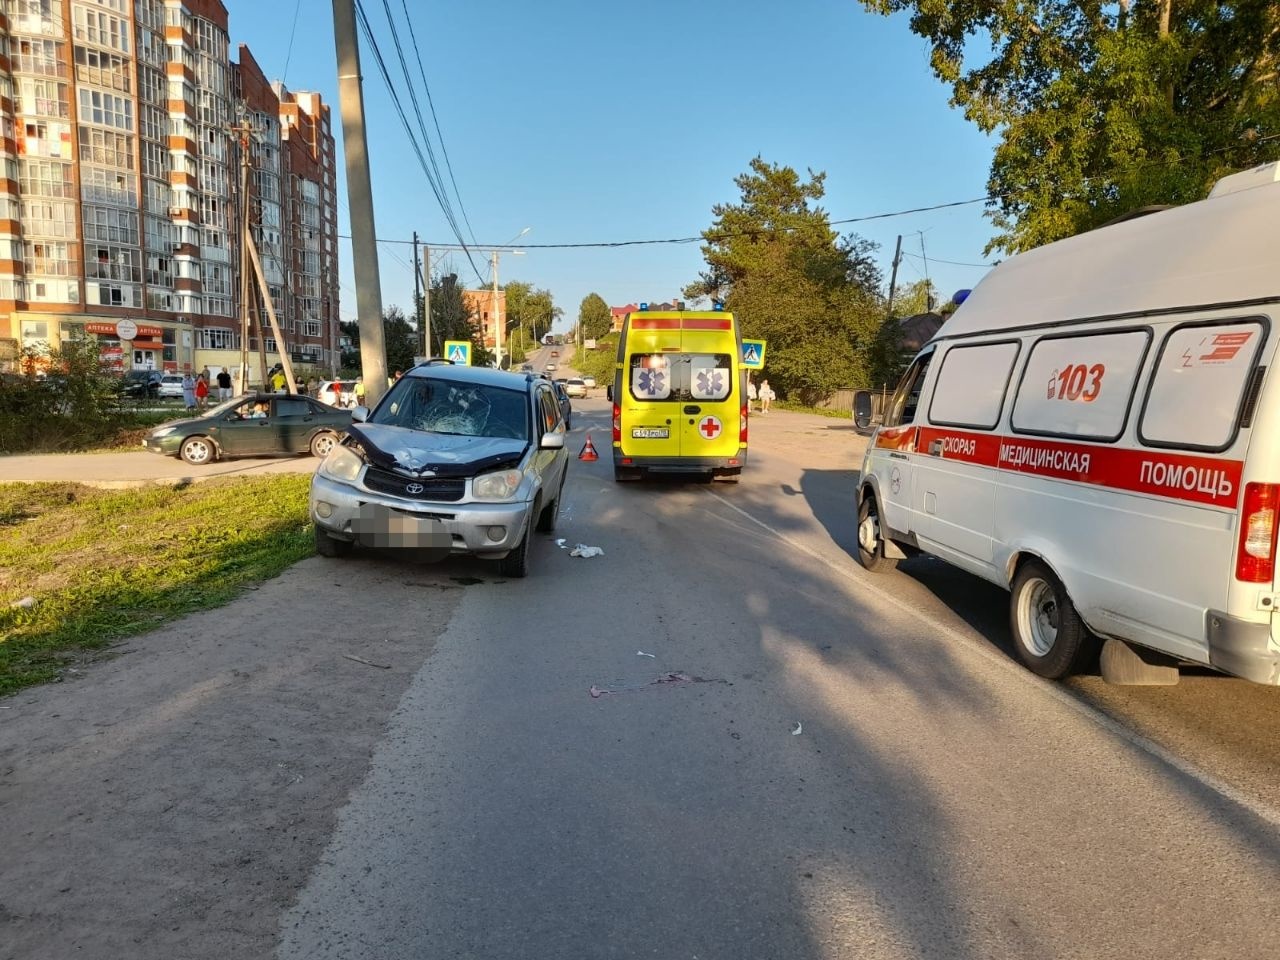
(138, 468)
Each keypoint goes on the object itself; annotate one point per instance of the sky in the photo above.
(598, 122)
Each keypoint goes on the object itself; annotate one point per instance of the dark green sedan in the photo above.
(255, 425)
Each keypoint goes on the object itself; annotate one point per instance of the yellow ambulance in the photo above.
(679, 397)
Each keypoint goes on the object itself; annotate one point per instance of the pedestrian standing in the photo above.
(751, 394)
(278, 380)
(359, 392)
(337, 393)
(224, 385)
(766, 396)
(189, 390)
(202, 391)
(311, 387)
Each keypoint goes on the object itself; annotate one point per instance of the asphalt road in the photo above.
(813, 763)
(936, 800)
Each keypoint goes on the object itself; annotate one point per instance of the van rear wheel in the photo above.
(1050, 637)
(871, 537)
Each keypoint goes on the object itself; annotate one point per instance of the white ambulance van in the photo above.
(1097, 429)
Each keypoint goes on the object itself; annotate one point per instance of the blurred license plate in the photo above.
(650, 433)
(379, 526)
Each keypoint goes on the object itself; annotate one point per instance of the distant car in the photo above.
(263, 424)
(555, 353)
(453, 460)
(575, 387)
(345, 398)
(170, 386)
(551, 367)
(590, 382)
(566, 408)
(141, 384)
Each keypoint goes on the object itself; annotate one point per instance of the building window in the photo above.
(97, 106)
(216, 338)
(92, 26)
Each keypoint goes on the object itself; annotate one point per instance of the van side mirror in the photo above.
(608, 393)
(863, 413)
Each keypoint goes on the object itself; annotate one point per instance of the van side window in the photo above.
(1080, 386)
(902, 407)
(972, 382)
(1199, 384)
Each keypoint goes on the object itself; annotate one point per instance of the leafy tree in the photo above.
(594, 317)
(919, 296)
(789, 278)
(450, 319)
(1103, 109)
(401, 340)
(530, 314)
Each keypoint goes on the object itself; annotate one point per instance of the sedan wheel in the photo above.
(322, 443)
(198, 450)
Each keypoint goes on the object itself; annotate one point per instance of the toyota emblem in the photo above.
(414, 488)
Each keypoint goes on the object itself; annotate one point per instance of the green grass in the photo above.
(104, 565)
(819, 411)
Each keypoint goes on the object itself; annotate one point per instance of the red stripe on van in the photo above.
(655, 324)
(901, 439)
(708, 325)
(1199, 479)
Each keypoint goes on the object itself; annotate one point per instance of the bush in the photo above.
(64, 399)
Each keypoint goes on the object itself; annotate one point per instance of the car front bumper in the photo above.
(165, 446)
(471, 526)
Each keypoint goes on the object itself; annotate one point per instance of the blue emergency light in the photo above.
(961, 296)
(717, 304)
(644, 306)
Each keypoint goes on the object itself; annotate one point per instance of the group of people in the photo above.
(764, 393)
(197, 387)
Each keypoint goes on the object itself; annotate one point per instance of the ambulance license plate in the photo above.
(650, 433)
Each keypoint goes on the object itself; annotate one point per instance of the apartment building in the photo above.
(120, 193)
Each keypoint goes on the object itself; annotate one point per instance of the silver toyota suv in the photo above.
(453, 460)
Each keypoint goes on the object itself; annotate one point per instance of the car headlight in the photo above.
(343, 464)
(162, 432)
(496, 486)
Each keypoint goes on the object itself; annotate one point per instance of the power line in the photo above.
(404, 120)
(436, 120)
(954, 263)
(293, 30)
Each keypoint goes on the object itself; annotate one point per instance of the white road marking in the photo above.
(1263, 812)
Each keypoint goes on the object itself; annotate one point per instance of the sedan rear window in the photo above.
(463, 409)
(681, 376)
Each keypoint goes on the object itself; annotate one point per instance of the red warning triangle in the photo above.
(588, 450)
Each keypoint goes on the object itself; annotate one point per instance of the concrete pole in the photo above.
(426, 300)
(497, 321)
(281, 346)
(364, 245)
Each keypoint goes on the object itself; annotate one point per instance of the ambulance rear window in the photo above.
(681, 376)
(1199, 384)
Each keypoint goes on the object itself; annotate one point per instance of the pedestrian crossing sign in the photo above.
(458, 351)
(753, 354)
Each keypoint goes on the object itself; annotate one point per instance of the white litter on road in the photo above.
(797, 731)
(560, 543)
(582, 550)
(651, 656)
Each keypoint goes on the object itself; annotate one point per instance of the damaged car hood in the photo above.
(419, 453)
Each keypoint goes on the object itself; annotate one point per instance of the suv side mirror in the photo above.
(552, 441)
(863, 415)
(359, 414)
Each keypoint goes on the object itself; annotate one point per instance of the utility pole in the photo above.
(426, 300)
(893, 277)
(497, 321)
(417, 290)
(243, 131)
(364, 245)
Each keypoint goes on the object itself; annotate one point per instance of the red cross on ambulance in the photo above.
(709, 427)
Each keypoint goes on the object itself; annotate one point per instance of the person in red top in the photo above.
(337, 393)
(202, 391)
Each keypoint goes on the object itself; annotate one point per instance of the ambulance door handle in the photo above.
(935, 448)
(693, 408)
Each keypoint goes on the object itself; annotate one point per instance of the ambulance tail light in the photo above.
(617, 423)
(1256, 555)
(742, 423)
